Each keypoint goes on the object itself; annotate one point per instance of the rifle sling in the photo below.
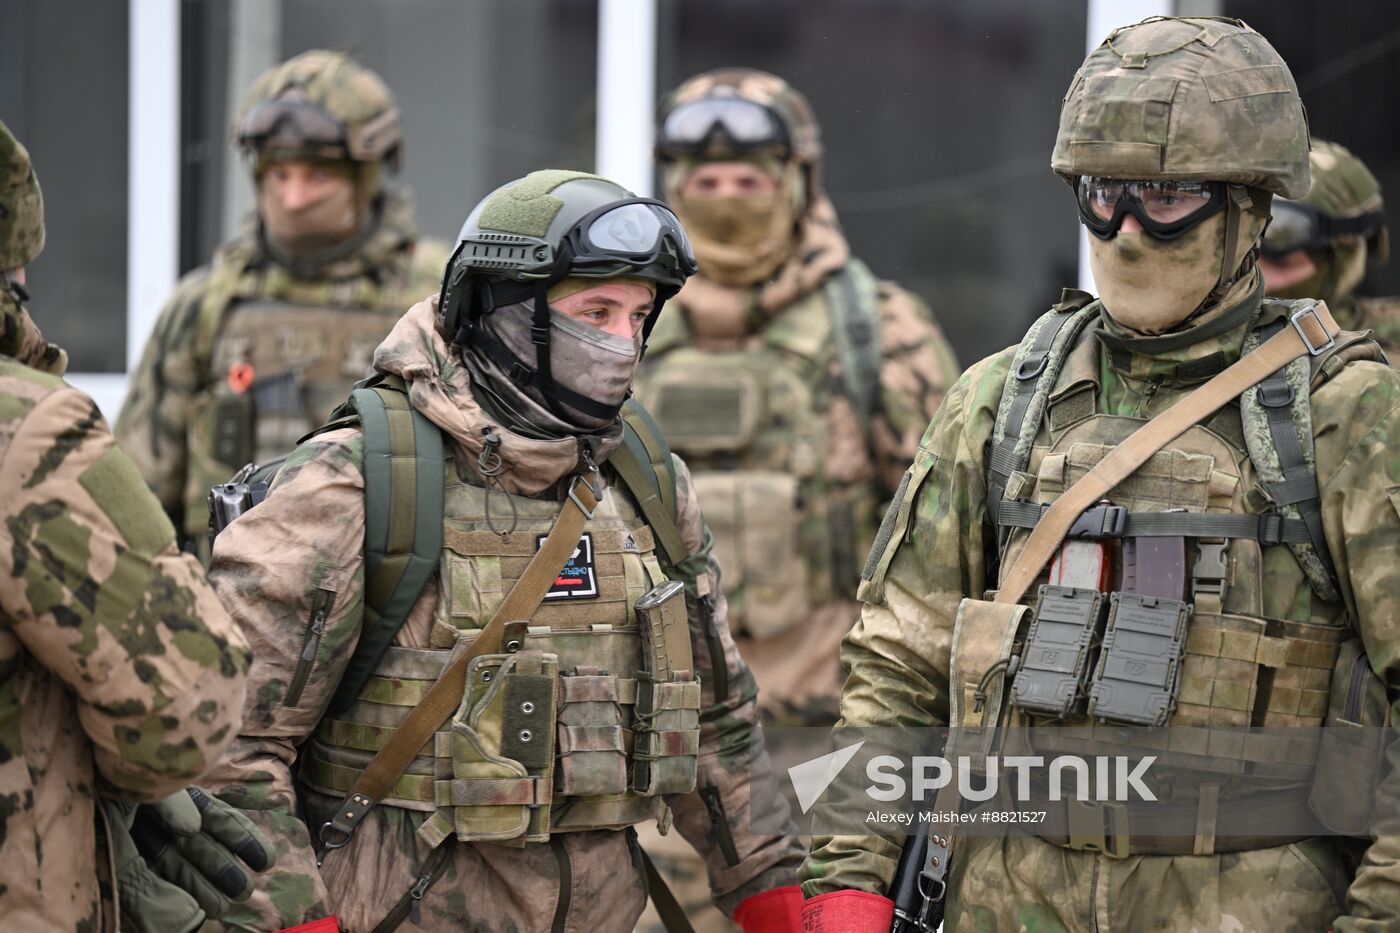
(443, 698)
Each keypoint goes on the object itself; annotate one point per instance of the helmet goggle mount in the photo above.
(701, 125)
(1165, 209)
(637, 237)
(1298, 226)
(293, 122)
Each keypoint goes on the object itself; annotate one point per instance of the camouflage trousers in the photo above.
(685, 875)
(1007, 885)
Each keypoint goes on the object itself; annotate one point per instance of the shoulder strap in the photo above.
(1034, 370)
(1311, 332)
(644, 464)
(403, 469)
(853, 301)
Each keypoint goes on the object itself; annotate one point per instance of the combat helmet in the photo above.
(732, 112)
(1343, 208)
(21, 205)
(1188, 99)
(320, 105)
(532, 233)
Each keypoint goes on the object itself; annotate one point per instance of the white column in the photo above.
(255, 43)
(1104, 17)
(153, 186)
(626, 92)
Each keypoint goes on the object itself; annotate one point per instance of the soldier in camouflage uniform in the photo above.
(524, 376)
(1175, 134)
(120, 672)
(792, 381)
(255, 349)
(1321, 245)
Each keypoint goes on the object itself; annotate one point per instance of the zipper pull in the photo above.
(318, 628)
(585, 453)
(415, 912)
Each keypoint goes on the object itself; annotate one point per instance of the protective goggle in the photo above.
(1166, 209)
(636, 235)
(742, 124)
(296, 123)
(1296, 226)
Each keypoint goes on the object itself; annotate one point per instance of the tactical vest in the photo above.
(1260, 635)
(752, 426)
(282, 352)
(546, 736)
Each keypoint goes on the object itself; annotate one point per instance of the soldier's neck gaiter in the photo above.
(1338, 274)
(1151, 286)
(584, 359)
(740, 240)
(311, 228)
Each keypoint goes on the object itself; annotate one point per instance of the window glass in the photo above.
(938, 121)
(63, 92)
(1346, 60)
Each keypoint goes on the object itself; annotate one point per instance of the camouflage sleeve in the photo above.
(93, 586)
(918, 368)
(299, 550)
(733, 762)
(154, 420)
(1359, 475)
(927, 556)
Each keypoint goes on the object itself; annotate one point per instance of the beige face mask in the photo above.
(313, 227)
(739, 241)
(1152, 285)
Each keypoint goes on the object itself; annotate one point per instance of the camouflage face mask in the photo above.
(1151, 285)
(743, 240)
(312, 228)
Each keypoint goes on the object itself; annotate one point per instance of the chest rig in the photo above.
(752, 425)
(282, 353)
(564, 730)
(1199, 595)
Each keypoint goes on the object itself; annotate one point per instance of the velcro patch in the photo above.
(579, 578)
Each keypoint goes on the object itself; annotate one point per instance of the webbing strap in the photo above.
(672, 915)
(1269, 528)
(644, 463)
(852, 301)
(444, 697)
(1037, 363)
(1312, 331)
(403, 523)
(1299, 484)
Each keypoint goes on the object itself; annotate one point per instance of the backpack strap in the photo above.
(403, 468)
(1034, 371)
(643, 461)
(853, 301)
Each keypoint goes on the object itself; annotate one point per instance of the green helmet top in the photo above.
(553, 224)
(1192, 99)
(21, 205)
(321, 105)
(1342, 185)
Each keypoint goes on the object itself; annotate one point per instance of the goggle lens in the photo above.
(293, 120)
(743, 121)
(636, 229)
(1164, 208)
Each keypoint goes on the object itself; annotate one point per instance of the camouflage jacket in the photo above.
(119, 669)
(182, 373)
(898, 655)
(1381, 316)
(842, 465)
(308, 536)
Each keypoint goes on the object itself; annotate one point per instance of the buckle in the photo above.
(1209, 572)
(1271, 528)
(539, 336)
(1037, 362)
(597, 496)
(1276, 394)
(1101, 521)
(1098, 827)
(520, 374)
(1296, 319)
